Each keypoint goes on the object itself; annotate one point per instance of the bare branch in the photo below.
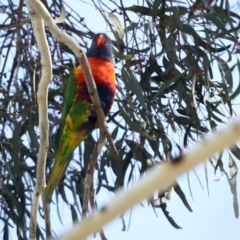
(101, 142)
(155, 179)
(42, 96)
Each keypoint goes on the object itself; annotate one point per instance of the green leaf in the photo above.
(182, 120)
(218, 9)
(155, 147)
(117, 25)
(200, 53)
(225, 93)
(114, 133)
(6, 231)
(139, 152)
(130, 63)
(128, 120)
(117, 167)
(212, 115)
(236, 152)
(213, 124)
(62, 16)
(189, 30)
(237, 91)
(131, 27)
(144, 50)
(133, 85)
(58, 210)
(177, 14)
(214, 18)
(15, 153)
(126, 163)
(88, 148)
(181, 194)
(227, 76)
(121, 56)
(156, 5)
(167, 146)
(172, 80)
(183, 112)
(74, 214)
(140, 9)
(32, 133)
(207, 68)
(206, 175)
(219, 163)
(77, 189)
(169, 218)
(199, 41)
(185, 138)
(170, 51)
(233, 184)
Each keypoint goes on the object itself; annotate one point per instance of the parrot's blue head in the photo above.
(100, 47)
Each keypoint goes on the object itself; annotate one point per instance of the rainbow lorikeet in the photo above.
(77, 118)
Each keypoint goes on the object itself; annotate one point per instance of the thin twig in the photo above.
(102, 235)
(101, 142)
(92, 194)
(17, 24)
(156, 179)
(111, 145)
(47, 218)
(93, 205)
(86, 195)
(103, 15)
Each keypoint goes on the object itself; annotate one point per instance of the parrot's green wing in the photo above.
(69, 96)
(74, 129)
(68, 101)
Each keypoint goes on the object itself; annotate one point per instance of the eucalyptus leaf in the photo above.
(117, 25)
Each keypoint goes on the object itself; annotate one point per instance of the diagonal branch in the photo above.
(155, 179)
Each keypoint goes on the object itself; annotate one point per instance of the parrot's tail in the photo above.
(61, 163)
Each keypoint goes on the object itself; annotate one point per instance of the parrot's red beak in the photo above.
(101, 40)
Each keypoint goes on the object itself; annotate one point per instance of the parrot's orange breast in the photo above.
(103, 73)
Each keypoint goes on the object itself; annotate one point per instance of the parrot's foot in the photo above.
(93, 109)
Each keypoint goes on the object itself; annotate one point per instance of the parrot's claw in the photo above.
(93, 109)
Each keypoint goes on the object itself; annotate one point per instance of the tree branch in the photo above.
(88, 189)
(156, 179)
(42, 96)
